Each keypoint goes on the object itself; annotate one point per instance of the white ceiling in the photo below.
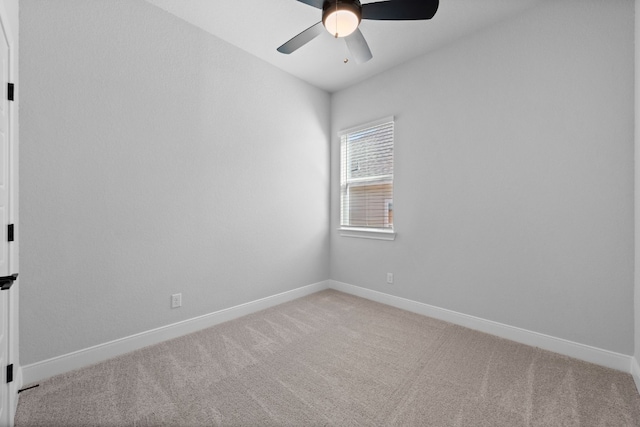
(260, 26)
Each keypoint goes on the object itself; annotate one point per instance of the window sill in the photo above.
(367, 233)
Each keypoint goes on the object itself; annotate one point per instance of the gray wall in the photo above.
(158, 159)
(513, 175)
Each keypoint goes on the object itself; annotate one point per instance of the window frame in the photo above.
(363, 232)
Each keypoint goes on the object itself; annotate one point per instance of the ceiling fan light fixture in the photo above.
(341, 18)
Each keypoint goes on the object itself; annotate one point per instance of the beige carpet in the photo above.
(332, 359)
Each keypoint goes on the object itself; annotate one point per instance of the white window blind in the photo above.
(366, 180)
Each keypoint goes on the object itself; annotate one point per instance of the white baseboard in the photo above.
(635, 372)
(584, 352)
(39, 371)
(47, 368)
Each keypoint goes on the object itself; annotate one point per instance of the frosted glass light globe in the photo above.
(341, 22)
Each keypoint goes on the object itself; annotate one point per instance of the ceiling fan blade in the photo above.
(314, 3)
(301, 39)
(405, 10)
(358, 47)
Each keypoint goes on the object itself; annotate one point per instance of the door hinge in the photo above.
(10, 90)
(6, 282)
(9, 373)
(10, 232)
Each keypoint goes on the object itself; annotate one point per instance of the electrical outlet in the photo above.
(176, 300)
(390, 278)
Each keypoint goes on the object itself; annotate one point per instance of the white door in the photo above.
(6, 414)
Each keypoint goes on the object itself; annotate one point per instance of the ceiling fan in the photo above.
(341, 19)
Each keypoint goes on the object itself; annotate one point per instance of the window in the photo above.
(366, 179)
